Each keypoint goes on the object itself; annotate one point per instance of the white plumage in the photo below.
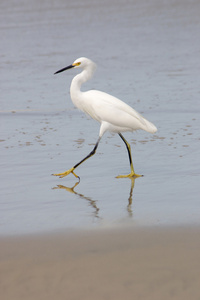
(113, 114)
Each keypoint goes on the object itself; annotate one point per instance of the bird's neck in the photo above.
(77, 81)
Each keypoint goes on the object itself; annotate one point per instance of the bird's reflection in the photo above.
(71, 190)
(130, 199)
(93, 202)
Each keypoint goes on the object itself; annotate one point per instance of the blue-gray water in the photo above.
(147, 55)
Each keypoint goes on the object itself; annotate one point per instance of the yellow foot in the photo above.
(131, 175)
(61, 175)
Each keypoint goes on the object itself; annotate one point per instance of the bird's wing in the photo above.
(104, 107)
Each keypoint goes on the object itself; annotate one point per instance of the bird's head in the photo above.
(82, 62)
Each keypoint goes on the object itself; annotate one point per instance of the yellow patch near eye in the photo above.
(76, 64)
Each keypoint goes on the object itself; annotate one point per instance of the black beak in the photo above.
(64, 69)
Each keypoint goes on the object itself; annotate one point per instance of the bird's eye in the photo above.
(76, 64)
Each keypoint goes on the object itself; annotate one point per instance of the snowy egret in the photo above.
(113, 114)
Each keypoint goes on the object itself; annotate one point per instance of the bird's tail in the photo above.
(149, 127)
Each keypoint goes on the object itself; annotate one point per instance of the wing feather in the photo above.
(104, 107)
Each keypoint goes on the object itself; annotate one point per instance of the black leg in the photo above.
(128, 147)
(61, 175)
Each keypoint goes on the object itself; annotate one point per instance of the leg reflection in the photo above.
(93, 202)
(130, 199)
(71, 190)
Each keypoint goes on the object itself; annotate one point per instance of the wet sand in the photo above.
(147, 54)
(139, 263)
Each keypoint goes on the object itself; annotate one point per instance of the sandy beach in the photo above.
(156, 263)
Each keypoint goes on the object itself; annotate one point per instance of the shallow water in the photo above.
(147, 55)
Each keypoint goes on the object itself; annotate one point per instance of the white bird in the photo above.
(113, 114)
